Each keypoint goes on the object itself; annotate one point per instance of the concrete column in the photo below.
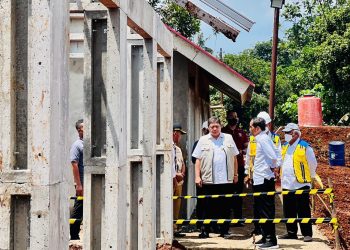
(166, 121)
(47, 123)
(34, 194)
(116, 162)
(149, 115)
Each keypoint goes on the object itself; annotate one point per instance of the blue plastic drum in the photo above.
(337, 153)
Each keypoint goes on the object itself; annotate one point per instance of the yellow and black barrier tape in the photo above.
(73, 221)
(285, 192)
(260, 221)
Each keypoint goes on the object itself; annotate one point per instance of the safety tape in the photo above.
(73, 221)
(285, 192)
(260, 221)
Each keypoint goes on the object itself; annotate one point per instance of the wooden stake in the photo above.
(334, 215)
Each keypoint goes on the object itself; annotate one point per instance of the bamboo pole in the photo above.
(334, 214)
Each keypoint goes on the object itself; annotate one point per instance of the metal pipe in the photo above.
(273, 67)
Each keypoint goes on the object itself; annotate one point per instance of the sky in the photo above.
(258, 11)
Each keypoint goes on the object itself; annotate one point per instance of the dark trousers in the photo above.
(77, 213)
(297, 206)
(214, 208)
(265, 208)
(237, 202)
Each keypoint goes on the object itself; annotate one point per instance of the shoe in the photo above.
(226, 236)
(307, 238)
(288, 237)
(179, 235)
(269, 245)
(260, 242)
(203, 235)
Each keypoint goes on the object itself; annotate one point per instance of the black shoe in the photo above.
(226, 235)
(260, 242)
(307, 238)
(203, 235)
(269, 245)
(179, 235)
(288, 236)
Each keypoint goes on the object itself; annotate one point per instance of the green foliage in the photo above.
(176, 17)
(314, 59)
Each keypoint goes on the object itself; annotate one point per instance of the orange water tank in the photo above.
(309, 111)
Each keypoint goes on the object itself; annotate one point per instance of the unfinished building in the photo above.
(124, 86)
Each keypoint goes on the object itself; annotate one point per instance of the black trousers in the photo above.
(265, 208)
(214, 208)
(297, 206)
(237, 202)
(77, 213)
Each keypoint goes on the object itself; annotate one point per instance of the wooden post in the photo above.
(334, 215)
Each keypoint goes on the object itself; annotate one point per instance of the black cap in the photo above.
(177, 127)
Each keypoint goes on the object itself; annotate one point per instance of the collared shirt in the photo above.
(240, 138)
(278, 149)
(288, 179)
(265, 159)
(179, 162)
(219, 159)
(77, 155)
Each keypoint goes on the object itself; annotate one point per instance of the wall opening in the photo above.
(20, 222)
(135, 203)
(97, 209)
(159, 171)
(19, 35)
(99, 97)
(136, 86)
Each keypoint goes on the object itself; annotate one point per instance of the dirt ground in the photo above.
(319, 138)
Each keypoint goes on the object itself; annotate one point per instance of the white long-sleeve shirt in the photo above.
(265, 159)
(288, 179)
(278, 149)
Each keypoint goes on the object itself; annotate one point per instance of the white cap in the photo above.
(290, 127)
(265, 116)
(205, 125)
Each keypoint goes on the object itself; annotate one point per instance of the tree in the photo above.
(176, 17)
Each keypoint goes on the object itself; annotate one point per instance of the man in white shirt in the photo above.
(298, 170)
(263, 179)
(216, 170)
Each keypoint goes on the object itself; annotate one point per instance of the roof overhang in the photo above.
(220, 76)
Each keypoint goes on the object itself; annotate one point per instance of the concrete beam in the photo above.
(216, 23)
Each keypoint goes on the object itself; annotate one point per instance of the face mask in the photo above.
(232, 121)
(288, 137)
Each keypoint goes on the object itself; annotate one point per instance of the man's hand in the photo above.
(179, 177)
(277, 173)
(235, 178)
(199, 181)
(79, 190)
(247, 180)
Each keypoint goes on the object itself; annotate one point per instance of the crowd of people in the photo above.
(226, 159)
